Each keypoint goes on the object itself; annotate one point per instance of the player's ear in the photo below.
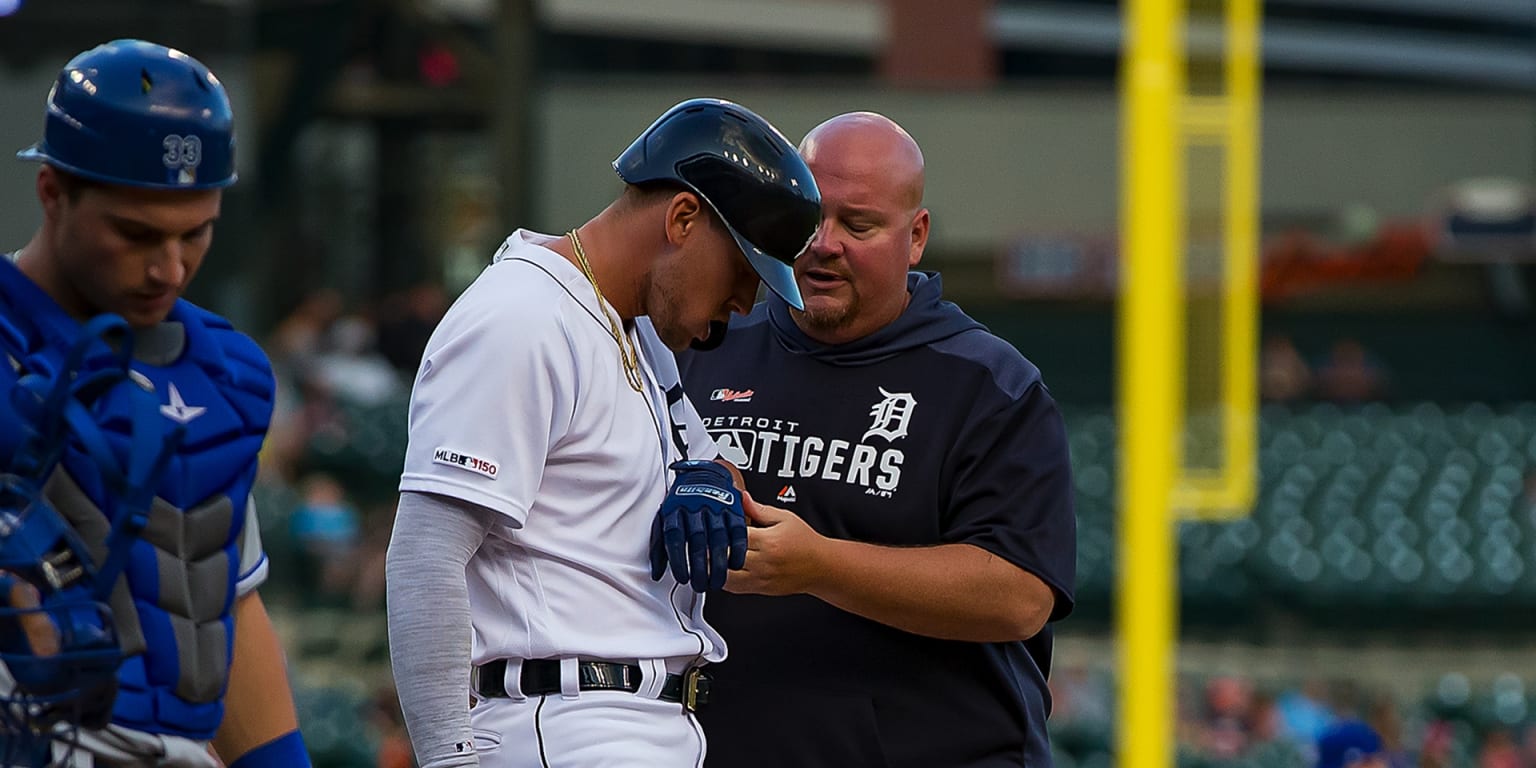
(919, 233)
(50, 191)
(686, 215)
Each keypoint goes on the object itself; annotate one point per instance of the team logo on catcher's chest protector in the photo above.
(178, 410)
(466, 462)
(891, 415)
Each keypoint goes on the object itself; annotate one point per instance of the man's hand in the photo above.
(783, 553)
(700, 529)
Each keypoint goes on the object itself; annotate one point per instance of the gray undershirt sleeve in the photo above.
(429, 622)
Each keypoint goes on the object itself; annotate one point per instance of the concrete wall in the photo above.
(1010, 161)
(1001, 163)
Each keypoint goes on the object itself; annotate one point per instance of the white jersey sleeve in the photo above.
(495, 390)
(253, 559)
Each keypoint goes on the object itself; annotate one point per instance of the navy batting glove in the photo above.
(701, 529)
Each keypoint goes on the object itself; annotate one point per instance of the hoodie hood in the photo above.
(927, 319)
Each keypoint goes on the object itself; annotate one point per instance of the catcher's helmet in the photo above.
(743, 168)
(137, 114)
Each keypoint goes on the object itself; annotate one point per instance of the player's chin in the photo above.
(142, 312)
(675, 338)
(141, 320)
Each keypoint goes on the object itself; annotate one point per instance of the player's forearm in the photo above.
(951, 591)
(258, 709)
(429, 624)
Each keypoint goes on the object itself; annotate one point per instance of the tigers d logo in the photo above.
(891, 415)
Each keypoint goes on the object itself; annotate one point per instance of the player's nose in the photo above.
(168, 265)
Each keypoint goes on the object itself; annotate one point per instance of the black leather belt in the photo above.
(542, 676)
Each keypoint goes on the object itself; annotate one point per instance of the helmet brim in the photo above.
(779, 277)
(37, 152)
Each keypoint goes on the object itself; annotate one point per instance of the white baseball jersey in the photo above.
(521, 406)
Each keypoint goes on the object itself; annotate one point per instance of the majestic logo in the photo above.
(787, 494)
(178, 410)
(732, 396)
(465, 462)
(891, 415)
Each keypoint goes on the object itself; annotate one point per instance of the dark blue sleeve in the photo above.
(1010, 481)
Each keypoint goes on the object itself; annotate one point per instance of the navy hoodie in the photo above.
(929, 431)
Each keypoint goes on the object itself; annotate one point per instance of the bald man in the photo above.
(914, 535)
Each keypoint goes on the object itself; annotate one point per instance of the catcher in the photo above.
(131, 632)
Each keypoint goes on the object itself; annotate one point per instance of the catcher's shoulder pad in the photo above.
(232, 361)
(227, 355)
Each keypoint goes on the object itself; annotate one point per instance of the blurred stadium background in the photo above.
(1388, 568)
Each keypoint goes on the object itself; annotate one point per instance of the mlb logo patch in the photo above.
(732, 395)
(467, 462)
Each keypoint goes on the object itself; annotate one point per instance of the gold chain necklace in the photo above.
(627, 353)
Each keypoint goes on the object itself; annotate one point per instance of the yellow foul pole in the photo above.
(1151, 365)
(1243, 76)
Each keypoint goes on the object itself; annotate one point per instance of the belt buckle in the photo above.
(695, 689)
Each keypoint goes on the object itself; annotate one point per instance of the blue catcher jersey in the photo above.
(173, 604)
(929, 431)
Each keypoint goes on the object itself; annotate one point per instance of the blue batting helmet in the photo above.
(745, 170)
(137, 114)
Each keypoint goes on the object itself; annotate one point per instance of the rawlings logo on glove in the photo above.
(701, 529)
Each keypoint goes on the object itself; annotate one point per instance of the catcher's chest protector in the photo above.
(173, 603)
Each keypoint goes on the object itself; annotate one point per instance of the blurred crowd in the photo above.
(326, 499)
(1347, 374)
(1231, 721)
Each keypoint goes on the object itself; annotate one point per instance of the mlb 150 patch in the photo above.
(465, 462)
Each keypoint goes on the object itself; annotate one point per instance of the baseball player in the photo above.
(544, 417)
(115, 371)
(916, 533)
